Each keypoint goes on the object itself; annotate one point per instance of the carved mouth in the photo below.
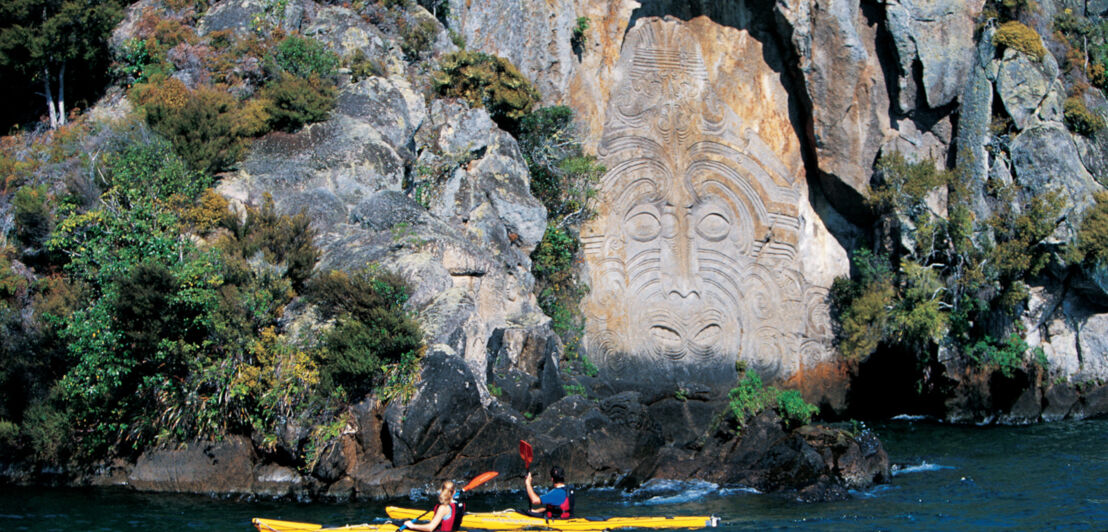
(674, 338)
(667, 341)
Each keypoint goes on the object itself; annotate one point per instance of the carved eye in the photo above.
(713, 227)
(708, 335)
(643, 226)
(666, 337)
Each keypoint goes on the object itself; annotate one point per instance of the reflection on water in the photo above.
(945, 477)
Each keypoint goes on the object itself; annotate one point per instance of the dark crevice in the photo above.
(891, 382)
(386, 441)
(888, 57)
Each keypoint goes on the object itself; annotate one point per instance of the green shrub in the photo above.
(153, 169)
(864, 306)
(371, 330)
(293, 101)
(12, 284)
(1019, 252)
(283, 240)
(362, 67)
(578, 39)
(553, 257)
(486, 81)
(751, 397)
(274, 385)
(418, 37)
(204, 129)
(575, 389)
(748, 398)
(1005, 357)
(560, 291)
(1092, 237)
(305, 57)
(563, 177)
(152, 305)
(33, 216)
(794, 409)
(1017, 36)
(904, 186)
(47, 432)
(920, 317)
(1079, 118)
(137, 60)
(9, 436)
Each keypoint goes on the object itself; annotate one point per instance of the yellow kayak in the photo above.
(273, 525)
(513, 520)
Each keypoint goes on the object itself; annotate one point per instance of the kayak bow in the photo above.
(513, 520)
(273, 525)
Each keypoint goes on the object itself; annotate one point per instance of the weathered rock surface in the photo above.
(823, 463)
(937, 33)
(844, 82)
(467, 257)
(1029, 88)
(221, 467)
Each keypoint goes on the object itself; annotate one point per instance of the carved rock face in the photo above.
(693, 257)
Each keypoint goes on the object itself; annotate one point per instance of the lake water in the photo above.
(946, 478)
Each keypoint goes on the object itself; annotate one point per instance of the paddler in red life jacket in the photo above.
(554, 504)
(448, 513)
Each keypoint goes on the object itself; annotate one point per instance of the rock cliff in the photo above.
(740, 141)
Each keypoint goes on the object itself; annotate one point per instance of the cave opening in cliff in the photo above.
(892, 382)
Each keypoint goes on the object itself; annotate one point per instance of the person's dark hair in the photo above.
(557, 475)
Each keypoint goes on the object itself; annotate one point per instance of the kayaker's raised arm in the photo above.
(556, 503)
(531, 495)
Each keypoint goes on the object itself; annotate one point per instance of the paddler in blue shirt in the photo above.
(556, 503)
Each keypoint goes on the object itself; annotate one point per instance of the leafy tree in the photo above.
(47, 42)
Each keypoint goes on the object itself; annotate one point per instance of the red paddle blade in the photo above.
(480, 479)
(525, 452)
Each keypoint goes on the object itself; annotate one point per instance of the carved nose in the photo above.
(683, 284)
(684, 287)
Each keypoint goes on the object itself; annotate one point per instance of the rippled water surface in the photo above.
(946, 478)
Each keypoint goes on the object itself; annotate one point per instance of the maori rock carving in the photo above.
(693, 257)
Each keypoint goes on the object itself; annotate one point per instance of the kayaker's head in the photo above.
(446, 494)
(557, 475)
